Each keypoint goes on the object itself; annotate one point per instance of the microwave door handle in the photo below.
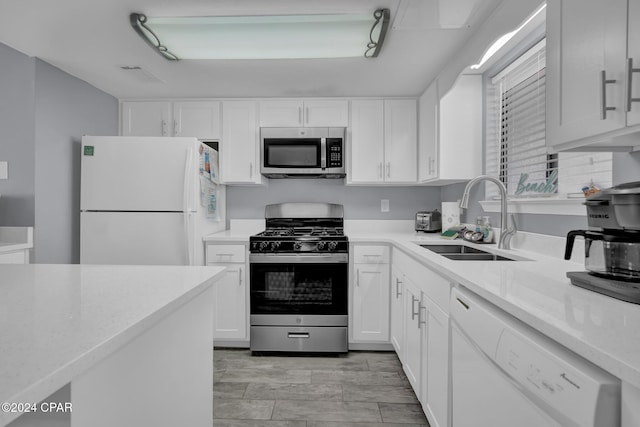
(323, 153)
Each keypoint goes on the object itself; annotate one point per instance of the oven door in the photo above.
(299, 285)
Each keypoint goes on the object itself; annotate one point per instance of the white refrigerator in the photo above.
(148, 200)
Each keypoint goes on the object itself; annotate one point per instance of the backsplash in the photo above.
(359, 202)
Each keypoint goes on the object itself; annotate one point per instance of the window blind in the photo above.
(516, 151)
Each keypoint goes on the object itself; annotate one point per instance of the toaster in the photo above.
(429, 221)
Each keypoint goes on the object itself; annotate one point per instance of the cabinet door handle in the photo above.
(603, 94)
(240, 276)
(300, 116)
(176, 131)
(630, 71)
(422, 308)
(380, 170)
(398, 293)
(413, 304)
(306, 111)
(163, 127)
(358, 277)
(250, 169)
(388, 169)
(432, 166)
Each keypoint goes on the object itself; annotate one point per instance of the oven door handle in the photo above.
(299, 259)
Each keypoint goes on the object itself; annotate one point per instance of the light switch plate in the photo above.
(384, 205)
(4, 170)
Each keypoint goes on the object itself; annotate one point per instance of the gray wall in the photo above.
(66, 109)
(43, 114)
(359, 202)
(17, 134)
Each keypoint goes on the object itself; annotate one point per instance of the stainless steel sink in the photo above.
(453, 249)
(477, 257)
(465, 253)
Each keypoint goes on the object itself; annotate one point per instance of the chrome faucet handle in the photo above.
(509, 232)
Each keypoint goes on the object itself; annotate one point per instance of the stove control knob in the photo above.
(320, 245)
(332, 245)
(297, 246)
(263, 246)
(275, 246)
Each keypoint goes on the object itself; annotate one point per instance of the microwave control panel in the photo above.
(334, 152)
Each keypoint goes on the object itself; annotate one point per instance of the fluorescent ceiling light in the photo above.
(498, 44)
(264, 37)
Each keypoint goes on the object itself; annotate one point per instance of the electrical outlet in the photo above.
(384, 205)
(4, 170)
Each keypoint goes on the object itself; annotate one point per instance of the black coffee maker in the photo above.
(612, 243)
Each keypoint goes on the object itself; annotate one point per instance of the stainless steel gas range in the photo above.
(299, 280)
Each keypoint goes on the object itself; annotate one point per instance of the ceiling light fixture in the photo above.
(264, 37)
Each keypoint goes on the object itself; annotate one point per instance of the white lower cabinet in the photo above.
(420, 331)
(369, 317)
(414, 335)
(435, 377)
(397, 310)
(231, 294)
(15, 257)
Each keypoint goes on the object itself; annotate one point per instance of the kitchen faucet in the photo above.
(505, 232)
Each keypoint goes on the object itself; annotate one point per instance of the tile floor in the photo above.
(358, 389)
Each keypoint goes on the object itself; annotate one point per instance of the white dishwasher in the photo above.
(506, 374)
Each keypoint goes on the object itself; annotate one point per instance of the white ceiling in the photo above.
(92, 40)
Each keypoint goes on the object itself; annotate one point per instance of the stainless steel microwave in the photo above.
(302, 152)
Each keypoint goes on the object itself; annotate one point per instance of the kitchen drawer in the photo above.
(225, 253)
(366, 254)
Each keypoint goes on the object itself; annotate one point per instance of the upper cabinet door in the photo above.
(145, 118)
(326, 113)
(281, 113)
(586, 61)
(307, 113)
(200, 119)
(400, 141)
(428, 134)
(366, 154)
(239, 154)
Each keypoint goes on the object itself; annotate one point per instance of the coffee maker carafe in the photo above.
(612, 243)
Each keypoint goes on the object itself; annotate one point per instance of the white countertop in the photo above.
(601, 329)
(56, 321)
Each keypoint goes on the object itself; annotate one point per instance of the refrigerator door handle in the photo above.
(186, 197)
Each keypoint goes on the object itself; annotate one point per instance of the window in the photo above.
(515, 139)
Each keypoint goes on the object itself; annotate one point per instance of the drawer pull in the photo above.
(298, 335)
(464, 304)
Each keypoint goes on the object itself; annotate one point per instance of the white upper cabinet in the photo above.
(400, 141)
(383, 142)
(589, 81)
(428, 134)
(366, 152)
(304, 113)
(239, 153)
(450, 129)
(200, 119)
(145, 118)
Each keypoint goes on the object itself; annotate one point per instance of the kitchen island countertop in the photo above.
(58, 321)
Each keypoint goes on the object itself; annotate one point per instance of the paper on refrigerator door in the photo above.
(209, 198)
